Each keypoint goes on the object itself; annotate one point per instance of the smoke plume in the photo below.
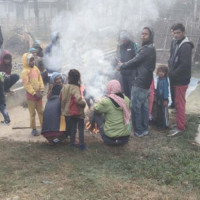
(92, 27)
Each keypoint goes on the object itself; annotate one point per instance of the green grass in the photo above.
(154, 167)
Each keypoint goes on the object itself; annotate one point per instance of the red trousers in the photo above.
(180, 106)
(151, 98)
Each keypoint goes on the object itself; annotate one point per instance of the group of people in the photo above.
(178, 71)
(113, 114)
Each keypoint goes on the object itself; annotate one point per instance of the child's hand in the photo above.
(39, 95)
(165, 103)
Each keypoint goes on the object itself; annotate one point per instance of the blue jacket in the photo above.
(162, 88)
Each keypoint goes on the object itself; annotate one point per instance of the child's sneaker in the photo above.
(5, 122)
(82, 147)
(34, 132)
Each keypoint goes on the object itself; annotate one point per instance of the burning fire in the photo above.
(92, 127)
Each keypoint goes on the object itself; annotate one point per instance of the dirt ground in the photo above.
(20, 118)
(19, 130)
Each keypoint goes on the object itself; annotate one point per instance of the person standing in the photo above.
(34, 87)
(180, 74)
(126, 51)
(144, 62)
(162, 94)
(72, 107)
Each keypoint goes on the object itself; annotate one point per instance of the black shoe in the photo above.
(5, 122)
(172, 106)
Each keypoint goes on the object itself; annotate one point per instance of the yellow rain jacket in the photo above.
(31, 78)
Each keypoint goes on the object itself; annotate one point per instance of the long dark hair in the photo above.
(74, 77)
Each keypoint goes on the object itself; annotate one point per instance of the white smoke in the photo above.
(92, 27)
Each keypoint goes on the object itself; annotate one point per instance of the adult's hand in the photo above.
(119, 66)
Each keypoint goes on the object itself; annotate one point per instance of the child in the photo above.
(162, 95)
(34, 87)
(72, 107)
(3, 102)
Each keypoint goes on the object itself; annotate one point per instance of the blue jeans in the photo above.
(4, 112)
(140, 109)
(10, 81)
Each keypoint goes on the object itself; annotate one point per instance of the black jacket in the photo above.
(144, 62)
(181, 63)
(51, 115)
(126, 53)
(172, 49)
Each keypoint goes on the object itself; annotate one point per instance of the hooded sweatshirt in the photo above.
(181, 62)
(31, 78)
(144, 62)
(54, 42)
(3, 67)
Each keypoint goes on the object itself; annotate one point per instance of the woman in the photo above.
(112, 115)
(54, 126)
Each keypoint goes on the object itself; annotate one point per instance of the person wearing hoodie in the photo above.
(180, 74)
(38, 48)
(55, 41)
(6, 68)
(53, 55)
(34, 87)
(144, 63)
(127, 50)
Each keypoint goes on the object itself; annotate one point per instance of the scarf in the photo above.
(114, 87)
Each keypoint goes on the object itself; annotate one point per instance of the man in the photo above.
(6, 68)
(180, 74)
(172, 48)
(144, 62)
(127, 50)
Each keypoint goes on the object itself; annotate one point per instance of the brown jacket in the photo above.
(69, 92)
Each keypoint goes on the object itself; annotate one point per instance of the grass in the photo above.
(154, 167)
